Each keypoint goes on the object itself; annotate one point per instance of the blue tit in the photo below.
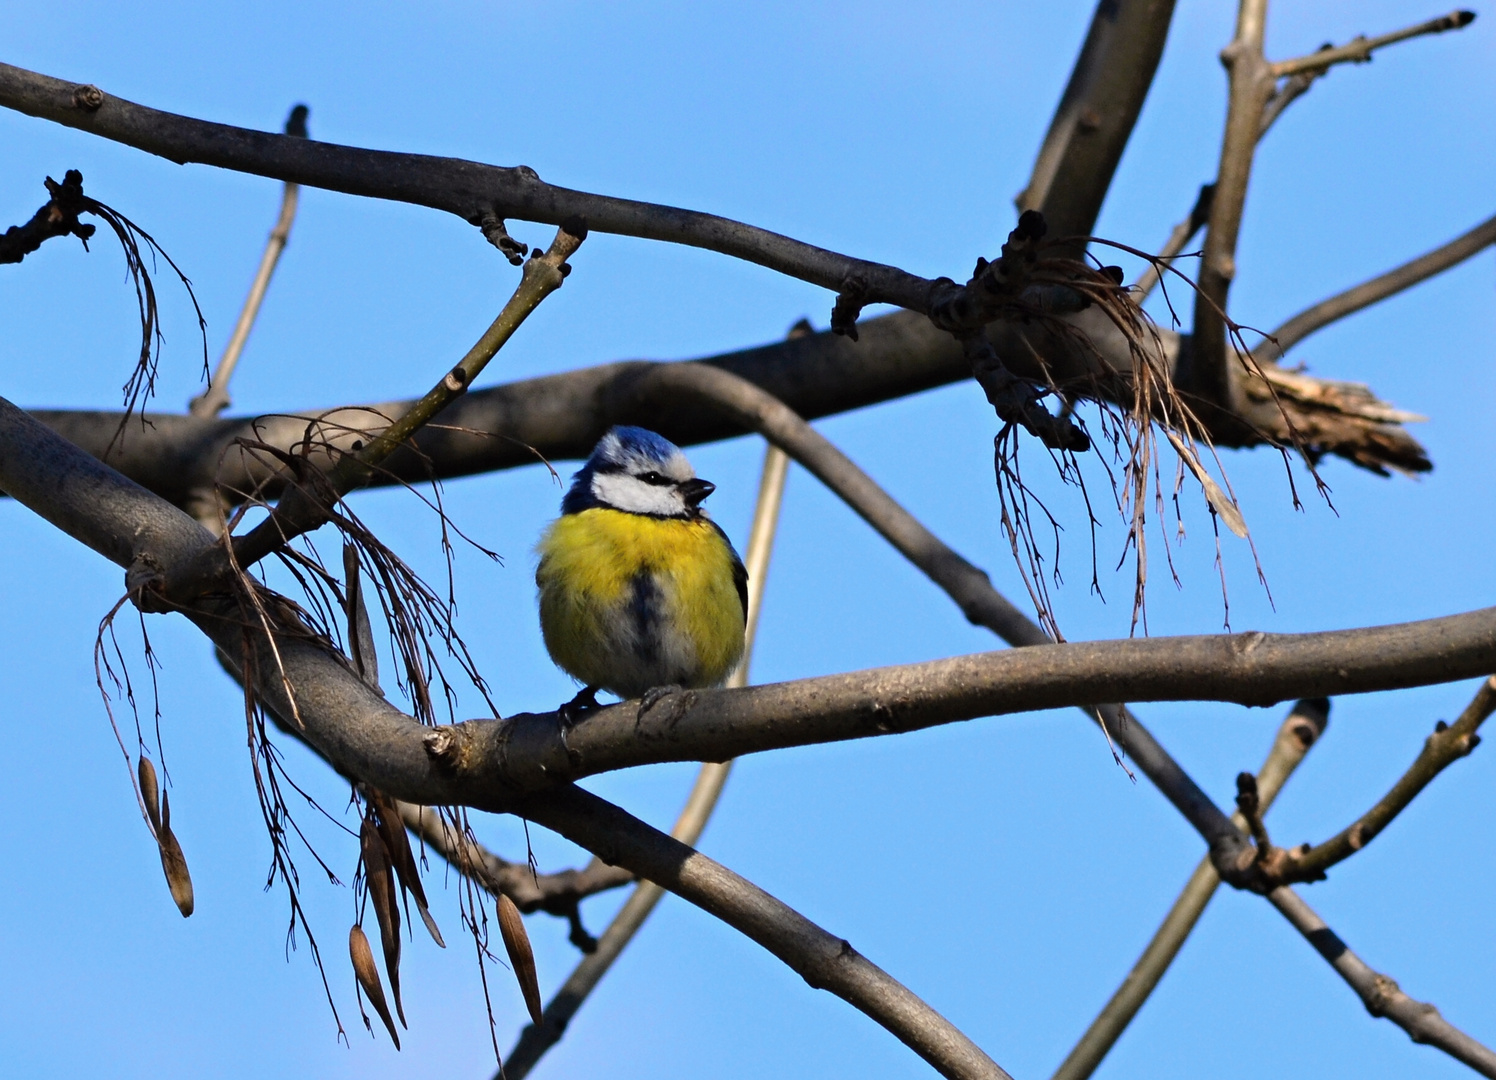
(638, 587)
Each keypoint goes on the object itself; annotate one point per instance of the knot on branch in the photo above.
(88, 97)
(848, 306)
(145, 582)
(1017, 401)
(495, 232)
(57, 217)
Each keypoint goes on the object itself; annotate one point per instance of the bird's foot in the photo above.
(654, 695)
(573, 710)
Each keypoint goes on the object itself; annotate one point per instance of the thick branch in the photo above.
(823, 960)
(1096, 114)
(484, 763)
(1212, 375)
(1379, 993)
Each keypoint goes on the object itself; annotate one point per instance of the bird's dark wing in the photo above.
(739, 571)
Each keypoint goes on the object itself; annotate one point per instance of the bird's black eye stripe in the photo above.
(655, 479)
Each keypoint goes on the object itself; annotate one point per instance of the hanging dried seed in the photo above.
(368, 978)
(173, 862)
(382, 894)
(521, 956)
(149, 791)
(397, 842)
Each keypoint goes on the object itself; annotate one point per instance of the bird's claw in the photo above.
(654, 695)
(584, 702)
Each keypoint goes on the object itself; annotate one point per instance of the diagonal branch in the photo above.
(1096, 114)
(1379, 993)
(1444, 747)
(1378, 288)
(1359, 50)
(215, 398)
(823, 960)
(1301, 729)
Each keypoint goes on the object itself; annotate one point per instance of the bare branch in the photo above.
(1212, 373)
(1180, 235)
(215, 398)
(825, 962)
(474, 192)
(556, 893)
(1359, 50)
(1378, 288)
(484, 763)
(1096, 114)
(1299, 732)
(1446, 745)
(1380, 994)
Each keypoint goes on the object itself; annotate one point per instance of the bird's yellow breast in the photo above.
(596, 565)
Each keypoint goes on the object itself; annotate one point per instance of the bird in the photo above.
(640, 591)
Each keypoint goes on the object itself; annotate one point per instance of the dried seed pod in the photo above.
(149, 791)
(382, 894)
(173, 862)
(368, 978)
(521, 956)
(397, 842)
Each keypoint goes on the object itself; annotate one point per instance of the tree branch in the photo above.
(484, 764)
(1301, 729)
(1359, 50)
(1211, 375)
(823, 960)
(473, 191)
(1096, 115)
(1377, 289)
(1380, 994)
(215, 398)
(1446, 745)
(556, 893)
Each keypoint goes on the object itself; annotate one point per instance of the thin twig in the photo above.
(1380, 994)
(1181, 235)
(1299, 732)
(1378, 288)
(215, 398)
(556, 893)
(535, 1040)
(1359, 50)
(306, 505)
(1446, 745)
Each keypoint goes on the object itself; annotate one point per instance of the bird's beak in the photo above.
(693, 491)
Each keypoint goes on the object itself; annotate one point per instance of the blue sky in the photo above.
(1004, 869)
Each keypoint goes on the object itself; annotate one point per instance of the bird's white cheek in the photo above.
(634, 495)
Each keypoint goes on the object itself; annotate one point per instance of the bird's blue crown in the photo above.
(623, 449)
